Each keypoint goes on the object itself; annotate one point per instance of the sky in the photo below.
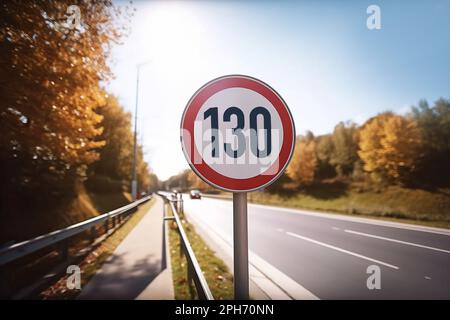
(318, 55)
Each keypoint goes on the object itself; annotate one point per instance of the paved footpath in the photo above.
(139, 267)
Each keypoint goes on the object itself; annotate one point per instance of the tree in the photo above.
(325, 151)
(390, 147)
(50, 74)
(434, 123)
(142, 171)
(115, 161)
(196, 182)
(49, 88)
(154, 183)
(345, 147)
(179, 181)
(116, 156)
(304, 161)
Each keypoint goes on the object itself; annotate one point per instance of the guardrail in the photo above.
(194, 272)
(61, 237)
(24, 248)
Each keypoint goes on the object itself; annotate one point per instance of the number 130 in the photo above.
(237, 131)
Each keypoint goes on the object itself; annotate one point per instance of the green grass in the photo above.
(218, 277)
(395, 203)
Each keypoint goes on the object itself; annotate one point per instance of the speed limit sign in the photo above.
(237, 133)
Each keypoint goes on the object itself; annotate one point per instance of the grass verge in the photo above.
(95, 259)
(414, 206)
(218, 277)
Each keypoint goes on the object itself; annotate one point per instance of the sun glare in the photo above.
(176, 34)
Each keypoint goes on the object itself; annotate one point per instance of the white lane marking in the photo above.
(337, 216)
(335, 228)
(395, 240)
(261, 272)
(342, 250)
(427, 278)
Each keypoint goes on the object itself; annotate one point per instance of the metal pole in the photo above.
(240, 234)
(134, 174)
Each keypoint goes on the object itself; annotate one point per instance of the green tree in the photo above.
(345, 147)
(325, 151)
(434, 123)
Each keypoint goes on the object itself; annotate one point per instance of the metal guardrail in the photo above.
(194, 272)
(19, 250)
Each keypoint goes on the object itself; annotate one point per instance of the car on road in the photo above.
(195, 194)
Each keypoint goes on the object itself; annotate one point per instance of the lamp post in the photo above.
(134, 183)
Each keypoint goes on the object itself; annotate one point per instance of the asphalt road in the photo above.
(329, 254)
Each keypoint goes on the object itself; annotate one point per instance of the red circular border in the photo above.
(204, 170)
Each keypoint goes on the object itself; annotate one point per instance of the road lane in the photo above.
(334, 274)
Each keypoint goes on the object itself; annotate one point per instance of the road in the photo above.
(328, 254)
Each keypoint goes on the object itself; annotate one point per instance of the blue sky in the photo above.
(319, 55)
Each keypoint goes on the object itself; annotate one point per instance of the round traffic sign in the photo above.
(237, 133)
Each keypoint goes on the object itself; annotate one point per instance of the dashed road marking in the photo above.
(342, 250)
(395, 240)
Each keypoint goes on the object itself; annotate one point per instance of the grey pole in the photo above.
(240, 234)
(134, 174)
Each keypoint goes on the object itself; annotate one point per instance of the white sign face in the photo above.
(226, 161)
(237, 133)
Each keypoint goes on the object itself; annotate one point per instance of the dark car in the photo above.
(195, 194)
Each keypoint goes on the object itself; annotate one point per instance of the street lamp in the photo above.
(134, 183)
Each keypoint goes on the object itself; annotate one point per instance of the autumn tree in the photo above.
(154, 183)
(142, 171)
(179, 181)
(50, 73)
(115, 158)
(49, 87)
(390, 147)
(303, 163)
(196, 182)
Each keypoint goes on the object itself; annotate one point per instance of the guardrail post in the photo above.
(195, 277)
(106, 225)
(181, 244)
(189, 278)
(92, 234)
(64, 250)
(5, 283)
(164, 208)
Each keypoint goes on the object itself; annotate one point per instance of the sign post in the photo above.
(238, 135)
(240, 234)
